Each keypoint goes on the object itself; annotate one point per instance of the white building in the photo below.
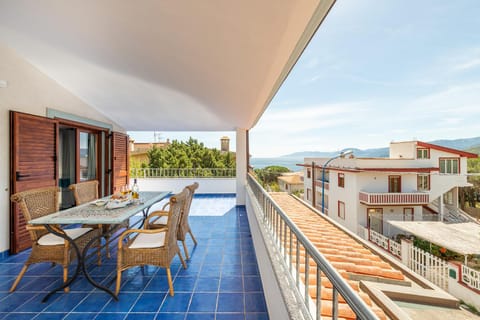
(408, 185)
(290, 182)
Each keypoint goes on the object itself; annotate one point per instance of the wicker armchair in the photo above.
(155, 247)
(158, 219)
(87, 191)
(47, 247)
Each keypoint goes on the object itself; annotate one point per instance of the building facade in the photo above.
(418, 181)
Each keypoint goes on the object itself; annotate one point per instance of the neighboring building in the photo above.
(291, 182)
(225, 144)
(418, 181)
(138, 151)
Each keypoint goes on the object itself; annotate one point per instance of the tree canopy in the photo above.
(268, 176)
(189, 154)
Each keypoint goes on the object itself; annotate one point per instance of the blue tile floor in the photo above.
(222, 280)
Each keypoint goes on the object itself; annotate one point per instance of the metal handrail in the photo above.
(278, 222)
(183, 172)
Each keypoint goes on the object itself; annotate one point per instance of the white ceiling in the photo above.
(170, 65)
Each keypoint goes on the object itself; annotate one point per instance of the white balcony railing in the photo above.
(183, 172)
(291, 243)
(387, 198)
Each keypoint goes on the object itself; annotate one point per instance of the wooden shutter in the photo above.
(33, 164)
(120, 161)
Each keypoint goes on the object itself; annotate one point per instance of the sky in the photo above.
(375, 72)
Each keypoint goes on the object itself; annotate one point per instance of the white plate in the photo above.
(114, 204)
(99, 203)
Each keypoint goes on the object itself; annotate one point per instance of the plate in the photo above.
(99, 203)
(114, 204)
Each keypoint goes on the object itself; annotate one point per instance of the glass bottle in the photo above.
(135, 190)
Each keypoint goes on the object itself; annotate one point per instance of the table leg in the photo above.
(79, 263)
(84, 267)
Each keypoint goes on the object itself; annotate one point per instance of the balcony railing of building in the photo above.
(318, 183)
(297, 253)
(386, 198)
(183, 172)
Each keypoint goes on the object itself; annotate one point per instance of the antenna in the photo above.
(157, 136)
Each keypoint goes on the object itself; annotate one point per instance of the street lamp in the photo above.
(341, 155)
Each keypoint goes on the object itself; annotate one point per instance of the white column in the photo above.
(241, 162)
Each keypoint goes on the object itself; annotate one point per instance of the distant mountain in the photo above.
(468, 144)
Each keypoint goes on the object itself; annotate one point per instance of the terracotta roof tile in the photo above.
(346, 254)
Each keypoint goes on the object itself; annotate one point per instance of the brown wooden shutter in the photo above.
(33, 159)
(120, 161)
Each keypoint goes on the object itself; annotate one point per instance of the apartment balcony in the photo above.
(318, 183)
(391, 198)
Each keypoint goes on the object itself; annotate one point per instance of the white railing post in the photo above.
(406, 248)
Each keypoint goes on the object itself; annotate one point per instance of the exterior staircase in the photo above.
(450, 213)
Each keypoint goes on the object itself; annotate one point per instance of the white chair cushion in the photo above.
(52, 240)
(148, 240)
(161, 220)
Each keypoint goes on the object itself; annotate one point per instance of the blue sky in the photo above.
(375, 72)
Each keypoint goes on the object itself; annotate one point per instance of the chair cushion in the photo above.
(52, 240)
(148, 240)
(161, 220)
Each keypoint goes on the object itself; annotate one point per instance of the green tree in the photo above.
(268, 176)
(189, 154)
(470, 194)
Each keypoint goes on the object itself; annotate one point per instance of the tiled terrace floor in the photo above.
(222, 280)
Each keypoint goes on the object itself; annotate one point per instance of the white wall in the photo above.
(205, 185)
(461, 291)
(405, 149)
(30, 91)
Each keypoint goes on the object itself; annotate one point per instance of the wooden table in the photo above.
(89, 213)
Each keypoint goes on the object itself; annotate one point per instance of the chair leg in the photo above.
(181, 259)
(19, 277)
(99, 252)
(170, 283)
(107, 241)
(193, 238)
(119, 279)
(65, 278)
(185, 249)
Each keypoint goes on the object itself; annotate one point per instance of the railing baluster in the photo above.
(334, 303)
(298, 264)
(307, 280)
(319, 293)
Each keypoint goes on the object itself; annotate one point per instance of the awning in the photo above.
(463, 238)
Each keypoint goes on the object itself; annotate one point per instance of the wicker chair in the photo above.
(47, 247)
(158, 219)
(87, 191)
(155, 247)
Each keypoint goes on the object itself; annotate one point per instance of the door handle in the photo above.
(19, 176)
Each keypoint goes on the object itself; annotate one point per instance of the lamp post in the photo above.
(341, 155)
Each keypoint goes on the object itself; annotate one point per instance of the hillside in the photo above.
(467, 144)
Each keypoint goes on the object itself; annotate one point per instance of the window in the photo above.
(407, 214)
(88, 156)
(309, 194)
(341, 210)
(395, 184)
(423, 182)
(423, 153)
(449, 165)
(375, 219)
(341, 180)
(309, 173)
